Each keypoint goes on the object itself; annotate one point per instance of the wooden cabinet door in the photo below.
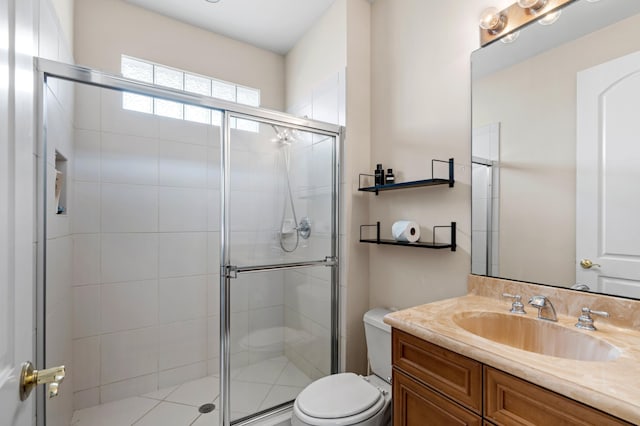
(417, 405)
(456, 376)
(513, 401)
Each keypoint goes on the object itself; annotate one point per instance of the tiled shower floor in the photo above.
(253, 388)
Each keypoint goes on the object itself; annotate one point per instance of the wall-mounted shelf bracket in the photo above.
(432, 245)
(412, 184)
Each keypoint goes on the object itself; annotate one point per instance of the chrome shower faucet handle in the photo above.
(516, 307)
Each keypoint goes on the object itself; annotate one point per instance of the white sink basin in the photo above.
(534, 335)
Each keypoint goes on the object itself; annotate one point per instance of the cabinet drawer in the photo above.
(513, 401)
(416, 405)
(456, 376)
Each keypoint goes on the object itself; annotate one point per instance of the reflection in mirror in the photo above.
(555, 151)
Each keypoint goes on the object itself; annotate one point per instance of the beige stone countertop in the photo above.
(610, 386)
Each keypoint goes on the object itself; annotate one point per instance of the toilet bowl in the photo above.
(349, 399)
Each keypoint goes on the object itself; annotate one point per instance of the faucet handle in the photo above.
(585, 321)
(516, 307)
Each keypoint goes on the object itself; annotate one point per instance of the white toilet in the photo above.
(346, 398)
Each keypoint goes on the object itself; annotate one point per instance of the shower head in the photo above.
(283, 136)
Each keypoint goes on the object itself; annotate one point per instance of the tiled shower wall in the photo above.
(145, 249)
(308, 292)
(53, 44)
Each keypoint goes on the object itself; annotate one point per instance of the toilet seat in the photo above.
(340, 399)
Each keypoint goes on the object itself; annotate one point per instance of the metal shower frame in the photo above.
(45, 69)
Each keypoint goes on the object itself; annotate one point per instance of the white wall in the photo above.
(107, 29)
(319, 54)
(64, 11)
(420, 111)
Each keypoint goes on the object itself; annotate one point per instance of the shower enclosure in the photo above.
(187, 253)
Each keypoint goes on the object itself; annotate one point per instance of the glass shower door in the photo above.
(280, 252)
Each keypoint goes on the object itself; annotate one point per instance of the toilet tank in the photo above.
(378, 335)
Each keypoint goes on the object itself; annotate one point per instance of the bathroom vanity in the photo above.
(445, 373)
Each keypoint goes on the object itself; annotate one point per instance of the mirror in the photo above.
(555, 151)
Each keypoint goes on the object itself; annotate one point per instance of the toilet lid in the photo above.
(336, 396)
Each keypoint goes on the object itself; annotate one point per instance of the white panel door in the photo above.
(16, 220)
(9, 366)
(608, 176)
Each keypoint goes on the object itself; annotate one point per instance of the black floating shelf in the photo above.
(431, 245)
(412, 184)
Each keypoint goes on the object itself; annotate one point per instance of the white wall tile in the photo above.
(117, 120)
(129, 257)
(213, 210)
(181, 299)
(266, 333)
(86, 259)
(129, 305)
(183, 131)
(86, 363)
(128, 388)
(266, 290)
(213, 168)
(213, 253)
(245, 210)
(213, 337)
(48, 30)
(182, 164)
(86, 208)
(179, 375)
(129, 159)
(86, 398)
(239, 341)
(86, 311)
(129, 208)
(182, 343)
(321, 294)
(87, 106)
(213, 295)
(183, 209)
(58, 278)
(128, 354)
(87, 155)
(183, 254)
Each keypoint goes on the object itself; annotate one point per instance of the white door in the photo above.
(608, 177)
(9, 366)
(16, 245)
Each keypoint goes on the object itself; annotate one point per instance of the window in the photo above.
(192, 83)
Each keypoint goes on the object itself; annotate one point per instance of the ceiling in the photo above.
(274, 25)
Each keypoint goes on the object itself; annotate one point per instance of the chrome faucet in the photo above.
(546, 311)
(516, 307)
(585, 321)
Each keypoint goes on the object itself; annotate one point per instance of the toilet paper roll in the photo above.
(406, 231)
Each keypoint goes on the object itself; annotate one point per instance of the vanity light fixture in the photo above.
(532, 5)
(212, 1)
(550, 18)
(495, 24)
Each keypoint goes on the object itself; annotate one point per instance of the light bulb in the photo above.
(492, 21)
(510, 38)
(550, 18)
(532, 4)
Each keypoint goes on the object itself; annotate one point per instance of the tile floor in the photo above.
(253, 388)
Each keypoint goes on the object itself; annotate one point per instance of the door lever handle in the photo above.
(587, 264)
(30, 378)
